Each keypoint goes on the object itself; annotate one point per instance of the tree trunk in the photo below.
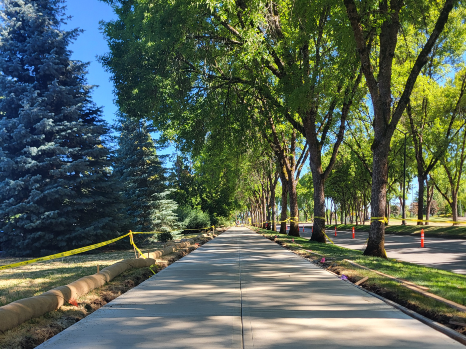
(264, 209)
(430, 195)
(318, 233)
(294, 213)
(376, 242)
(420, 199)
(364, 214)
(380, 88)
(330, 214)
(454, 206)
(284, 203)
(272, 208)
(357, 212)
(388, 212)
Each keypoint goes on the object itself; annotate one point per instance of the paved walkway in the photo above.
(440, 253)
(243, 291)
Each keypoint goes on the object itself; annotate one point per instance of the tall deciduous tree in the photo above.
(431, 135)
(56, 188)
(376, 27)
(294, 54)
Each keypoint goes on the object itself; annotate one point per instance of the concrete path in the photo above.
(446, 254)
(243, 291)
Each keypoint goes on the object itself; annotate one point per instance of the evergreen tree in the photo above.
(140, 170)
(56, 188)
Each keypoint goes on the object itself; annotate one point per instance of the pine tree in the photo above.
(56, 188)
(141, 172)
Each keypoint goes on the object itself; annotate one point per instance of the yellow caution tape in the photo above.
(430, 221)
(380, 219)
(131, 241)
(329, 238)
(75, 251)
(63, 254)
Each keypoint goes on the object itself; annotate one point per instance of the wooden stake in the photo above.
(361, 281)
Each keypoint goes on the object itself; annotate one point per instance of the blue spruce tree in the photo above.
(56, 186)
(138, 167)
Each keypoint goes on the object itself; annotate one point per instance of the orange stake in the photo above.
(353, 232)
(422, 237)
(335, 230)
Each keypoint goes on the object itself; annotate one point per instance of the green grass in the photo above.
(440, 282)
(458, 232)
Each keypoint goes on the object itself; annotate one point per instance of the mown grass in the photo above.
(429, 230)
(440, 282)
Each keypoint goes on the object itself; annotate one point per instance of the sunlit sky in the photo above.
(86, 15)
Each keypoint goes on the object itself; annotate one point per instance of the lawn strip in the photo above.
(443, 283)
(451, 232)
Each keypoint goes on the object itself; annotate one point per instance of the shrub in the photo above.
(193, 218)
(164, 237)
(219, 221)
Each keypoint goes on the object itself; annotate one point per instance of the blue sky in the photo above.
(86, 15)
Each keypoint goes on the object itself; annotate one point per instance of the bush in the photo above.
(193, 218)
(219, 221)
(164, 237)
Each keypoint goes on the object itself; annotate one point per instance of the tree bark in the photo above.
(430, 195)
(294, 213)
(420, 200)
(318, 233)
(284, 205)
(264, 209)
(454, 206)
(376, 243)
(273, 186)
